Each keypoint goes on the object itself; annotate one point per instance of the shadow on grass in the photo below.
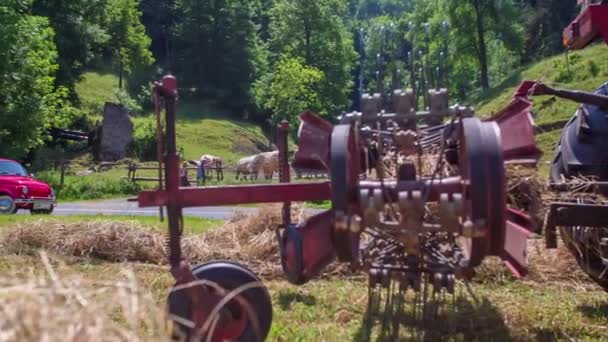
(594, 311)
(458, 319)
(288, 298)
(486, 96)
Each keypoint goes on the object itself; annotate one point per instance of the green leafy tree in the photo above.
(475, 22)
(218, 52)
(80, 34)
(546, 21)
(129, 44)
(291, 89)
(28, 100)
(484, 38)
(159, 18)
(315, 32)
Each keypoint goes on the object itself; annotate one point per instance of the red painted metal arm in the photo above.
(590, 24)
(245, 194)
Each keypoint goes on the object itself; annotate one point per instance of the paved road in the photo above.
(122, 207)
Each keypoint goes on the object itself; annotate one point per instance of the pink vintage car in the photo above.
(19, 190)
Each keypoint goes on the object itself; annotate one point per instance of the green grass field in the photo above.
(334, 309)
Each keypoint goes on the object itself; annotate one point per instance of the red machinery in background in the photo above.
(417, 200)
(591, 24)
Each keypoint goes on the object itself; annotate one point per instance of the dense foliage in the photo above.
(260, 59)
(29, 102)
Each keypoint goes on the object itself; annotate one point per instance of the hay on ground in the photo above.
(50, 308)
(247, 239)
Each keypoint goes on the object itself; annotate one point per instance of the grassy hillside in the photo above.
(95, 89)
(201, 129)
(587, 70)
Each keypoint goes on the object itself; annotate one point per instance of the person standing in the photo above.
(200, 172)
(183, 175)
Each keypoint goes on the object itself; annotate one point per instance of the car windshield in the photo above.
(12, 168)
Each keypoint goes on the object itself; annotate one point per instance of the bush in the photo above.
(123, 98)
(144, 140)
(89, 187)
(593, 69)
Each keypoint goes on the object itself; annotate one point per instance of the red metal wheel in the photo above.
(345, 166)
(246, 317)
(482, 168)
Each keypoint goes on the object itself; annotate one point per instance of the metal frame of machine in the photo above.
(418, 199)
(390, 217)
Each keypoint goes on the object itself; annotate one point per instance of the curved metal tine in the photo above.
(372, 295)
(400, 298)
(425, 298)
(387, 310)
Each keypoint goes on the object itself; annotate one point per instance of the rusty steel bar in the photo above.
(573, 215)
(242, 194)
(167, 88)
(159, 148)
(284, 173)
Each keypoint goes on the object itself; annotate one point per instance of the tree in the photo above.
(130, 45)
(314, 31)
(79, 34)
(218, 52)
(28, 100)
(546, 21)
(291, 89)
(476, 20)
(159, 18)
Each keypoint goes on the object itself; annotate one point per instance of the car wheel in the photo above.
(7, 205)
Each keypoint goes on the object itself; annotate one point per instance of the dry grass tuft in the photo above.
(556, 267)
(247, 239)
(48, 308)
(526, 191)
(113, 241)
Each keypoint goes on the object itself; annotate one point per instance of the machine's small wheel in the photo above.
(586, 256)
(7, 205)
(250, 322)
(582, 249)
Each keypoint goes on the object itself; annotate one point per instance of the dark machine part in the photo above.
(582, 147)
(66, 134)
(582, 153)
(579, 171)
(217, 301)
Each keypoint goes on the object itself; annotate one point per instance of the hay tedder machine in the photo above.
(418, 200)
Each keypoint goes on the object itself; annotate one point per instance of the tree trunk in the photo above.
(120, 72)
(482, 53)
(307, 37)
